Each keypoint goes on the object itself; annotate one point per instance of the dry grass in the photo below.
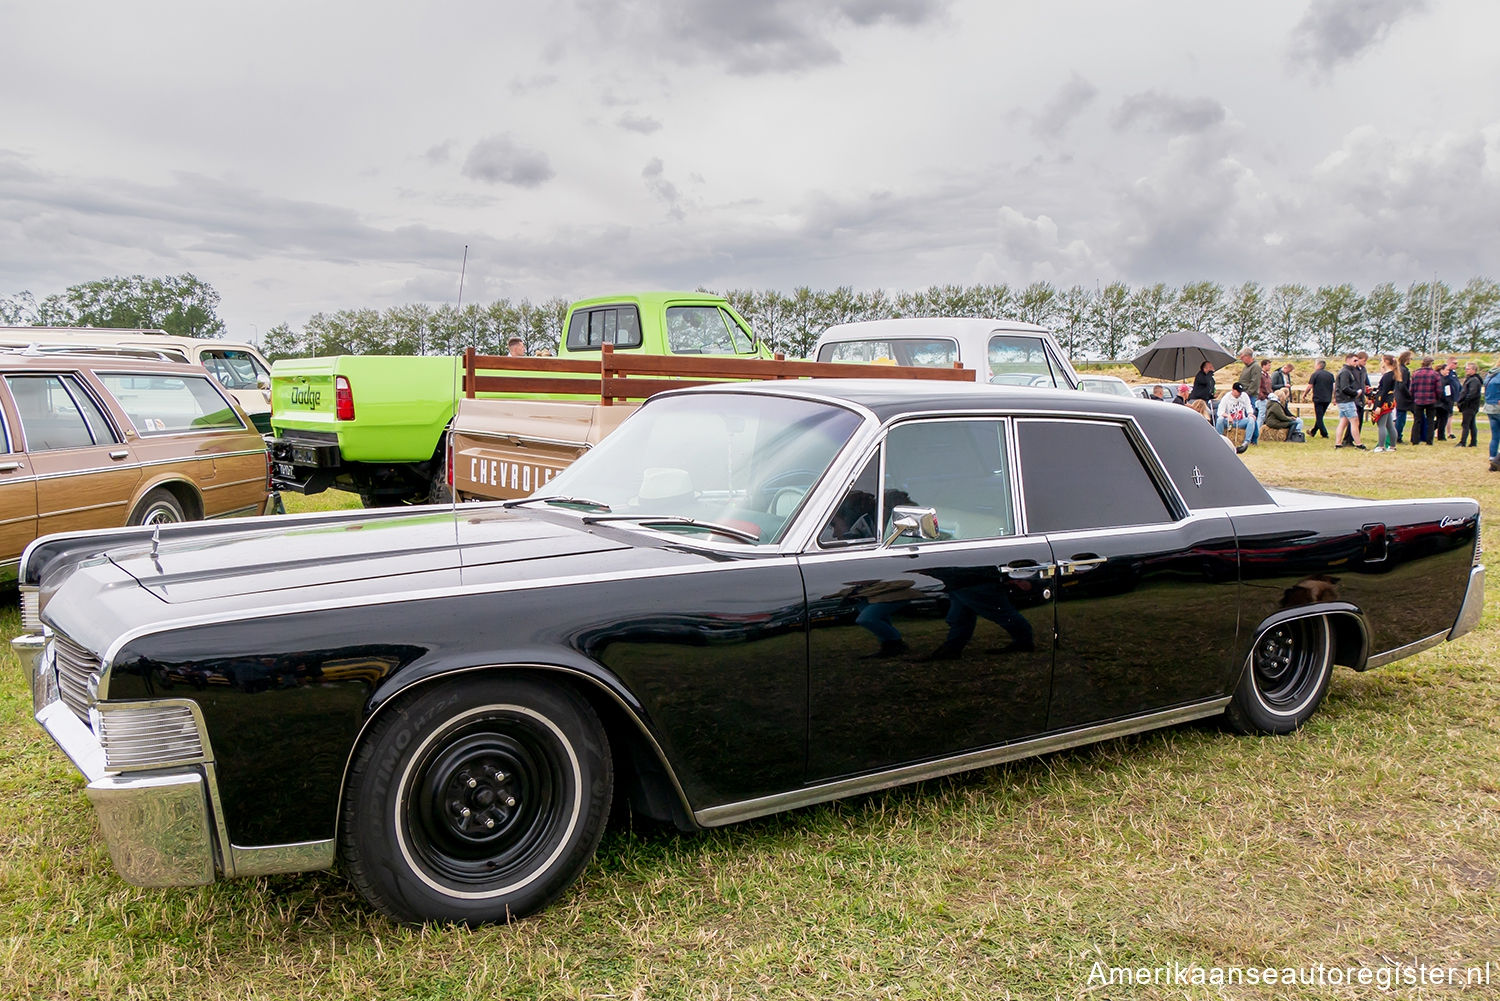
(1373, 834)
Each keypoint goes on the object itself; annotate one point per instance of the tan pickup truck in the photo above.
(506, 448)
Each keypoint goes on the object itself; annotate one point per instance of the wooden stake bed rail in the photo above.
(618, 375)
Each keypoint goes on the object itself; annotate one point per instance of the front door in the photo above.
(923, 649)
(1146, 591)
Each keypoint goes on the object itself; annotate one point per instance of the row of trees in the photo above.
(181, 304)
(1112, 321)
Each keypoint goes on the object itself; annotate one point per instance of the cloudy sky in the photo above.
(314, 156)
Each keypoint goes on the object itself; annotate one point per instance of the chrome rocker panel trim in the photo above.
(730, 813)
(1402, 652)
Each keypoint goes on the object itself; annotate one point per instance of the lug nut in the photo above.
(510, 801)
(464, 813)
(489, 822)
(472, 783)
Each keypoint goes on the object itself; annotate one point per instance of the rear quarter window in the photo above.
(922, 352)
(166, 404)
(1078, 475)
(591, 329)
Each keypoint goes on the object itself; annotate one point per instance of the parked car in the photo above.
(1168, 390)
(90, 442)
(1003, 352)
(239, 368)
(1110, 385)
(748, 598)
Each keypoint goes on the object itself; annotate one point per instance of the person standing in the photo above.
(1249, 378)
(1320, 388)
(1282, 378)
(515, 347)
(1492, 411)
(1384, 405)
(1424, 394)
(1203, 385)
(1448, 395)
(1347, 388)
(1403, 392)
(1469, 399)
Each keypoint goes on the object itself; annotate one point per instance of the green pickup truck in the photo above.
(373, 424)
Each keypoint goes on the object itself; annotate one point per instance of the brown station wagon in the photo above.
(90, 442)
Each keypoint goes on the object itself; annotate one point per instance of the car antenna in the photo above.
(463, 269)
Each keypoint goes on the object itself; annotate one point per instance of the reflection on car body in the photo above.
(923, 579)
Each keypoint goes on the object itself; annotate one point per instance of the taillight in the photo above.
(449, 461)
(343, 399)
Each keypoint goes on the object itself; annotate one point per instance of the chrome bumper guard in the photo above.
(155, 823)
(274, 504)
(1470, 612)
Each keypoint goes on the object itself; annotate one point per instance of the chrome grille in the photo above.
(77, 675)
(149, 734)
(31, 610)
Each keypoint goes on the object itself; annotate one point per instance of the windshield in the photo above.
(738, 460)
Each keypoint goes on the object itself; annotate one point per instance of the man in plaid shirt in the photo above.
(1425, 386)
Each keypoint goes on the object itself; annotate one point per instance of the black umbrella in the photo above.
(1179, 355)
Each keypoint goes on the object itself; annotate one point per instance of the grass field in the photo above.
(1371, 836)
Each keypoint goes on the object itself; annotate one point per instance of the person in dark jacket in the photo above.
(1403, 393)
(1442, 410)
(1425, 387)
(1469, 398)
(1384, 404)
(1448, 395)
(1320, 388)
(1203, 383)
(1348, 387)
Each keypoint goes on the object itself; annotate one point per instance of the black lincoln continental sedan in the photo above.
(749, 598)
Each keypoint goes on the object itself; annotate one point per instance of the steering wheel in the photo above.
(763, 495)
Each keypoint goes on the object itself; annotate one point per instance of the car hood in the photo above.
(428, 549)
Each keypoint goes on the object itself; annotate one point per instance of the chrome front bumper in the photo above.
(155, 823)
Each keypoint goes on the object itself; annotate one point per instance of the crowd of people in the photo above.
(1431, 398)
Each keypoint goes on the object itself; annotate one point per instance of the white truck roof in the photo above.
(1009, 362)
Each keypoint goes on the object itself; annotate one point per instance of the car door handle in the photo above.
(119, 453)
(1029, 570)
(9, 467)
(1080, 564)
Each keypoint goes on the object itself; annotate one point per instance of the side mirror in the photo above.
(918, 522)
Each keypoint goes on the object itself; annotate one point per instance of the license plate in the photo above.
(286, 470)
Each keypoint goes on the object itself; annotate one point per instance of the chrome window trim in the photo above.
(5, 434)
(61, 376)
(728, 813)
(1177, 509)
(880, 449)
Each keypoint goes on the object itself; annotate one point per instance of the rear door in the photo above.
(1146, 592)
(17, 491)
(85, 476)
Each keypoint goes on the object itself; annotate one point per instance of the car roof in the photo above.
(927, 326)
(18, 359)
(1207, 474)
(647, 299)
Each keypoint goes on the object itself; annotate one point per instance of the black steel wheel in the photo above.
(1285, 677)
(477, 800)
